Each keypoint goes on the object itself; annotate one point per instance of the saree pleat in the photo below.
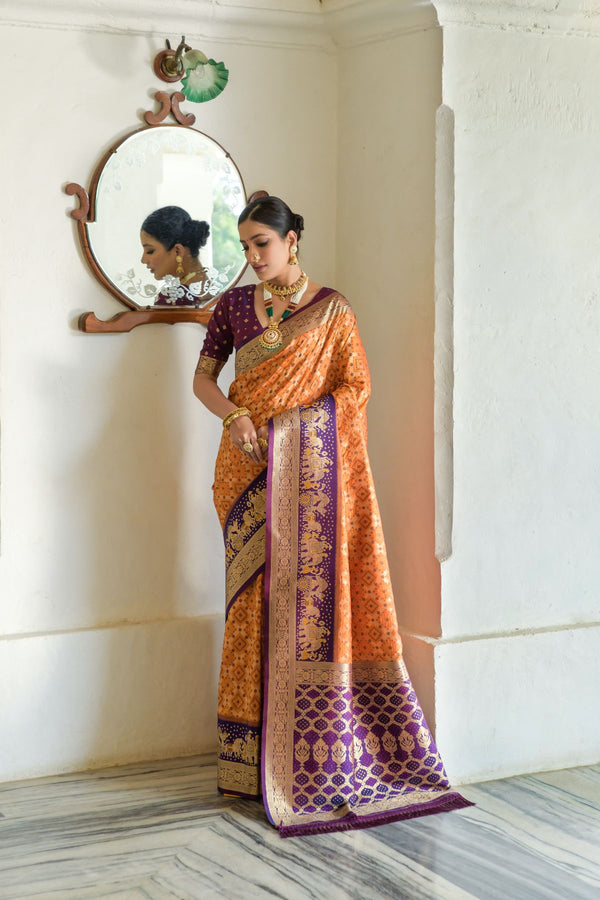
(240, 695)
(312, 668)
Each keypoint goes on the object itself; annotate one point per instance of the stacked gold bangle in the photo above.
(235, 414)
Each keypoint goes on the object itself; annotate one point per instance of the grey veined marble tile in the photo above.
(161, 831)
(237, 859)
(523, 841)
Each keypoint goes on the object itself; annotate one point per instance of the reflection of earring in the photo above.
(179, 271)
(293, 260)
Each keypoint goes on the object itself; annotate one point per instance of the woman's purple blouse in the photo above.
(233, 323)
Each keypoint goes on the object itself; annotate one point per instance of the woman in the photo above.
(172, 240)
(315, 703)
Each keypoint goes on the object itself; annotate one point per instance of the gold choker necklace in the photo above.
(286, 289)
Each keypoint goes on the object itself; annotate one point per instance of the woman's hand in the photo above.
(242, 431)
(263, 440)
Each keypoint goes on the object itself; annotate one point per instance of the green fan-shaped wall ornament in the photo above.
(204, 78)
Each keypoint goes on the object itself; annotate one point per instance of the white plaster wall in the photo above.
(385, 267)
(517, 703)
(517, 663)
(111, 562)
(527, 328)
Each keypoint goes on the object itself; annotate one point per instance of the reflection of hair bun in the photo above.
(196, 235)
(173, 225)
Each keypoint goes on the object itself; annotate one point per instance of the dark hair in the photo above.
(173, 225)
(275, 213)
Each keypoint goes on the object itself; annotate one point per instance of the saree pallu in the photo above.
(316, 708)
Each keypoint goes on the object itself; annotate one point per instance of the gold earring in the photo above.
(179, 271)
(293, 260)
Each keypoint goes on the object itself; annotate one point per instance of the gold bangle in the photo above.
(235, 414)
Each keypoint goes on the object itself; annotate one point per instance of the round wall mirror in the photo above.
(166, 165)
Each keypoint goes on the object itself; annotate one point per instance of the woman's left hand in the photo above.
(262, 436)
(250, 441)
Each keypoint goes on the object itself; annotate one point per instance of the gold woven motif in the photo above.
(245, 749)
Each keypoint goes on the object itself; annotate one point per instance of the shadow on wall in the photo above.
(130, 481)
(403, 465)
(385, 264)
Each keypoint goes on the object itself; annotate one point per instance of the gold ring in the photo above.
(247, 447)
(263, 443)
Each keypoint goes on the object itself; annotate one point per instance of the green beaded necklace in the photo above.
(271, 338)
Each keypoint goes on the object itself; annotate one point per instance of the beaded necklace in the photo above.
(271, 338)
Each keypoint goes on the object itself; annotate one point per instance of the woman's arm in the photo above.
(241, 430)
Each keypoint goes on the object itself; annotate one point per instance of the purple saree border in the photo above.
(239, 503)
(235, 510)
(328, 521)
(448, 803)
(315, 783)
(263, 752)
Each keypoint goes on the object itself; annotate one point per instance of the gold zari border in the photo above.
(344, 674)
(209, 366)
(252, 353)
(234, 776)
(245, 564)
(279, 740)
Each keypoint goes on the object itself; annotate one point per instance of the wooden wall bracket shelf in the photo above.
(127, 321)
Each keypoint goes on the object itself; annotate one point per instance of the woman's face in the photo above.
(159, 260)
(265, 250)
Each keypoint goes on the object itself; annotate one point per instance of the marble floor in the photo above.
(160, 831)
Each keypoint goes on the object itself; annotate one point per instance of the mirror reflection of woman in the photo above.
(316, 709)
(171, 241)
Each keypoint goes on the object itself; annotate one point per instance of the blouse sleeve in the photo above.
(218, 343)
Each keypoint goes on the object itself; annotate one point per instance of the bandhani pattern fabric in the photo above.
(312, 668)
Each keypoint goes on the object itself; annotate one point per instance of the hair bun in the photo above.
(196, 233)
(298, 224)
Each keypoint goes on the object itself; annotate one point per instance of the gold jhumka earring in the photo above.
(293, 259)
(179, 271)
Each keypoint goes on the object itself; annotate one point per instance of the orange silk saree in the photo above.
(316, 710)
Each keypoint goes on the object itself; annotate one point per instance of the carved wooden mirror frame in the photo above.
(86, 214)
